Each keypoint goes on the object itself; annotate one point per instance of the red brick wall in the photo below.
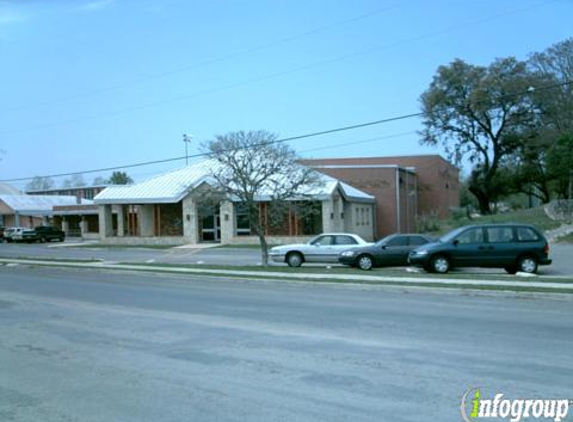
(436, 179)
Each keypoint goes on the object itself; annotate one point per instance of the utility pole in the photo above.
(187, 140)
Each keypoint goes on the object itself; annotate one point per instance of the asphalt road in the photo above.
(83, 345)
(560, 253)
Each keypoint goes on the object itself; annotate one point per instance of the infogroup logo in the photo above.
(475, 407)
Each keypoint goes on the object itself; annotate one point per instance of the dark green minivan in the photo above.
(514, 247)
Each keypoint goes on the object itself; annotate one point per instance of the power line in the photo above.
(276, 74)
(294, 138)
(215, 60)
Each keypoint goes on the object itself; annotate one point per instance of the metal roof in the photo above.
(39, 204)
(173, 186)
(6, 189)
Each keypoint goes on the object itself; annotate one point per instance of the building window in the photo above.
(243, 226)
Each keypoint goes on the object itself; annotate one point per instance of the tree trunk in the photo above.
(482, 198)
(264, 250)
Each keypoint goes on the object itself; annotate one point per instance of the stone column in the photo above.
(146, 220)
(327, 216)
(65, 225)
(83, 226)
(105, 221)
(228, 221)
(190, 220)
(120, 220)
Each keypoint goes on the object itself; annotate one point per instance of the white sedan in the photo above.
(323, 248)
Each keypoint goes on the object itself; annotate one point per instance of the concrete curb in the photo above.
(299, 276)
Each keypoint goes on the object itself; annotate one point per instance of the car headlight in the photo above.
(348, 253)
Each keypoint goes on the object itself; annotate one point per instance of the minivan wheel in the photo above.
(440, 264)
(365, 262)
(527, 264)
(294, 259)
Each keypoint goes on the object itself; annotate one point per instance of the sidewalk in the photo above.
(553, 287)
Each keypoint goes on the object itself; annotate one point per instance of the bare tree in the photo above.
(75, 181)
(39, 183)
(253, 167)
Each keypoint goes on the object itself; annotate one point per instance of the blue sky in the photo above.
(105, 83)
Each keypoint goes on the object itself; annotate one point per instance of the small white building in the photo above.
(171, 209)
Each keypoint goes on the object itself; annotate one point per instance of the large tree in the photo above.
(482, 114)
(555, 66)
(120, 178)
(540, 165)
(253, 166)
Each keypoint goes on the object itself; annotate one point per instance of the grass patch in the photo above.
(389, 283)
(535, 216)
(566, 239)
(353, 272)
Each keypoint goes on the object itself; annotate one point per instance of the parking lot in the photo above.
(225, 256)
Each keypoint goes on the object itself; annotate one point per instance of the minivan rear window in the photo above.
(526, 234)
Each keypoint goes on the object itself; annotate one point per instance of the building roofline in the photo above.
(386, 157)
(364, 166)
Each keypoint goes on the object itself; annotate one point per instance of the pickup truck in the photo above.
(49, 233)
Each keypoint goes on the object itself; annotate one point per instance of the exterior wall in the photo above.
(433, 179)
(438, 180)
(146, 220)
(105, 221)
(359, 219)
(190, 220)
(379, 182)
(228, 221)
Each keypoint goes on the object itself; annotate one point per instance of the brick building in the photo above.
(405, 187)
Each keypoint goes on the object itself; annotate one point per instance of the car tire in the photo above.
(364, 262)
(510, 269)
(440, 264)
(294, 259)
(527, 264)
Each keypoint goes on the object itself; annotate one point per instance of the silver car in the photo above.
(323, 248)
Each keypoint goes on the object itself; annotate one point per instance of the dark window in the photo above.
(397, 242)
(345, 240)
(499, 234)
(417, 241)
(526, 234)
(471, 236)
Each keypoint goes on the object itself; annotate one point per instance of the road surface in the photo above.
(84, 345)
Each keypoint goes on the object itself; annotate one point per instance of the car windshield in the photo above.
(384, 240)
(448, 237)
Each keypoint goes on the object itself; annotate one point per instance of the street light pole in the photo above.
(187, 140)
